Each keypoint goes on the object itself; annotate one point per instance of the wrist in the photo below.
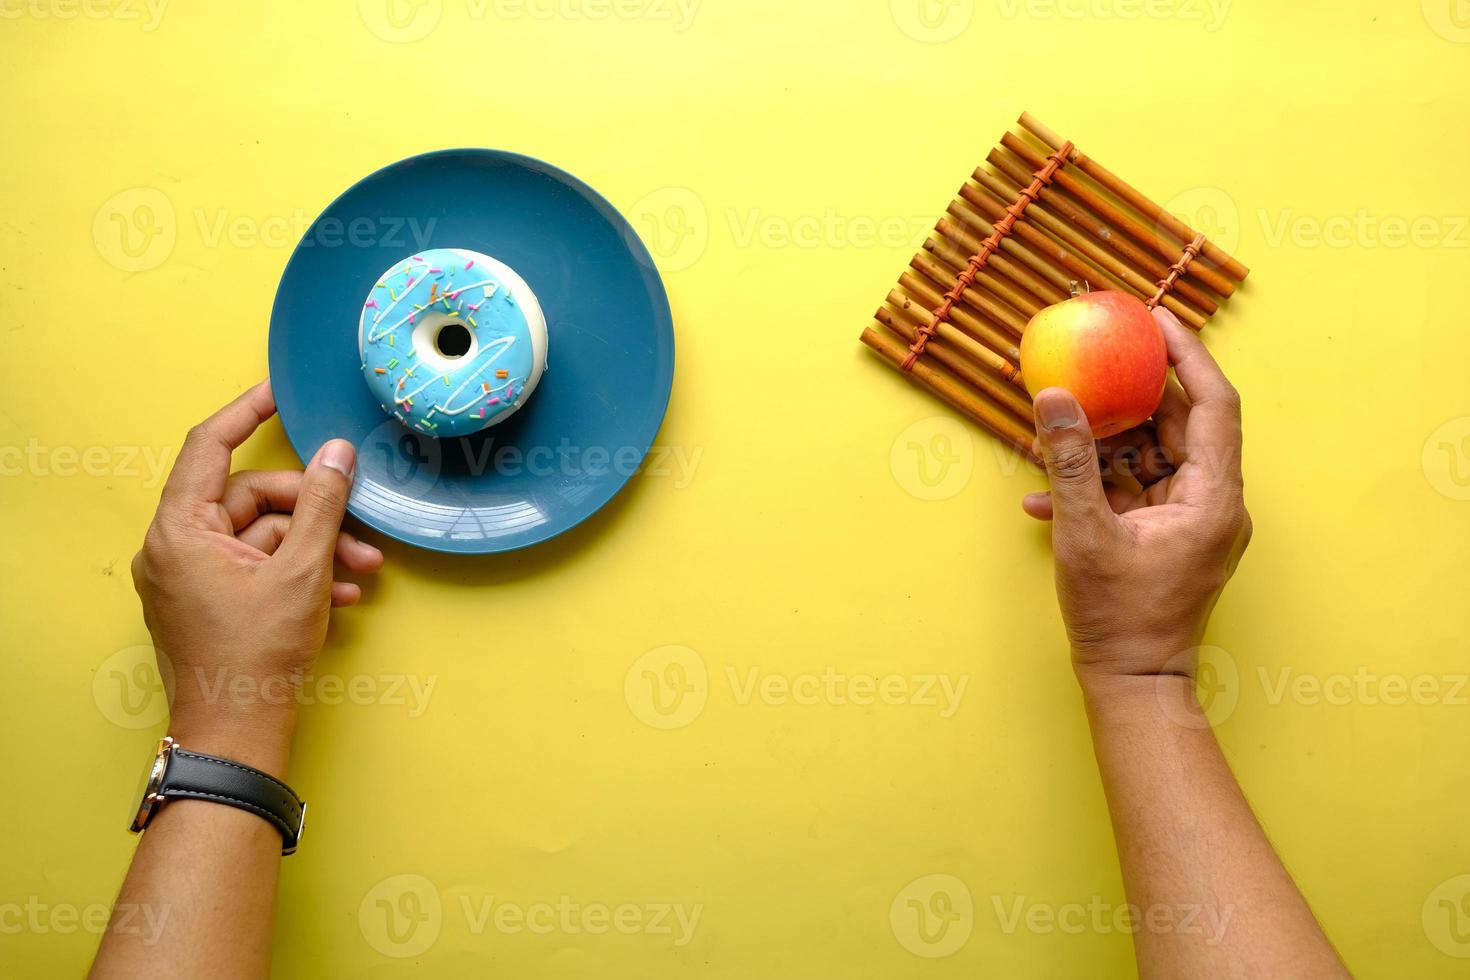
(1137, 653)
(1115, 702)
(237, 687)
(260, 739)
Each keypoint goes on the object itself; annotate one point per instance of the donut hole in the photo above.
(452, 340)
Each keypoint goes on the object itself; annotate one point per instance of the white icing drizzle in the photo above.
(407, 267)
(475, 385)
(380, 334)
(495, 348)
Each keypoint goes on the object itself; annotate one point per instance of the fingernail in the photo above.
(1166, 316)
(339, 455)
(1056, 409)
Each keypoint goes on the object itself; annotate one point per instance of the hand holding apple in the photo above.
(1106, 349)
(1138, 571)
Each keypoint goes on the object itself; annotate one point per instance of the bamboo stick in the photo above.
(916, 312)
(1117, 225)
(967, 345)
(1020, 270)
(1151, 238)
(921, 295)
(1120, 187)
(1019, 299)
(1080, 267)
(1058, 208)
(1018, 293)
(1015, 269)
(943, 274)
(1090, 249)
(1071, 265)
(1002, 391)
(1014, 321)
(965, 400)
(1040, 259)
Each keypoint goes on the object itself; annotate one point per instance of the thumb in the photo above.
(1071, 458)
(311, 538)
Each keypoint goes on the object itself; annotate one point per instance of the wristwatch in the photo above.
(178, 774)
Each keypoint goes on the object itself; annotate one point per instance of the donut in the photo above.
(451, 342)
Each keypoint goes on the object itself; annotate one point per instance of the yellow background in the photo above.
(761, 148)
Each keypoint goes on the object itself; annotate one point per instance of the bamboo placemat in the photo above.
(1042, 220)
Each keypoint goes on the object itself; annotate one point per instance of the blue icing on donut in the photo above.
(446, 348)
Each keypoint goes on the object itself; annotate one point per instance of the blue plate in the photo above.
(610, 363)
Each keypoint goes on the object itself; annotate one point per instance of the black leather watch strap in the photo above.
(191, 775)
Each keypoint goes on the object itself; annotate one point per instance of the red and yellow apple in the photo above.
(1106, 349)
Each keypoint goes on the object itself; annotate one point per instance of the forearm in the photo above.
(237, 580)
(1213, 898)
(204, 873)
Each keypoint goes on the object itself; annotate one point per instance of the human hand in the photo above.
(1138, 572)
(236, 576)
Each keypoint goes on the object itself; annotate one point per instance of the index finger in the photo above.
(203, 465)
(1195, 366)
(1212, 435)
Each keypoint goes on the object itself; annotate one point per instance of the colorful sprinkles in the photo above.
(429, 288)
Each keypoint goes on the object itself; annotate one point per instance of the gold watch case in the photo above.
(150, 801)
